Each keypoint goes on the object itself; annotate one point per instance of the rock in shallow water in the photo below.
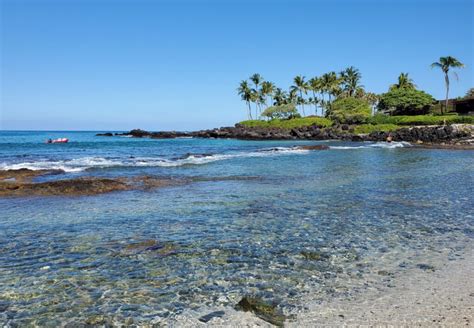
(212, 315)
(261, 309)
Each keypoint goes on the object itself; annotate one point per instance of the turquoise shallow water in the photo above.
(270, 220)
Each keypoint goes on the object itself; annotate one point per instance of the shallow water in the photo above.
(268, 220)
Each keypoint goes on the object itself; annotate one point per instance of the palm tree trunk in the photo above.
(314, 100)
(302, 105)
(446, 79)
(250, 110)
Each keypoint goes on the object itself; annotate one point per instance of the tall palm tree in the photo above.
(404, 82)
(246, 95)
(315, 87)
(351, 80)
(302, 86)
(445, 63)
(333, 85)
(267, 91)
(256, 96)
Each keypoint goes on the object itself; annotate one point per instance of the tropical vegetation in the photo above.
(341, 98)
(405, 101)
(350, 110)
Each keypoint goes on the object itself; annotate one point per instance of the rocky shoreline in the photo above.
(445, 136)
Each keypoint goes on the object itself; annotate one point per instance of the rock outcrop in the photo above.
(20, 183)
(451, 134)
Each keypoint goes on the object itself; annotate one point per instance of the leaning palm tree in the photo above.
(246, 95)
(404, 82)
(302, 86)
(445, 63)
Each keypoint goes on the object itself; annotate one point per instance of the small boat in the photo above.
(59, 140)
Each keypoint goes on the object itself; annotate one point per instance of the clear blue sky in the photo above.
(104, 64)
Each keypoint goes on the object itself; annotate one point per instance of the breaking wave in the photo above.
(387, 145)
(84, 163)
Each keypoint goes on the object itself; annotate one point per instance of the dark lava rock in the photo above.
(209, 316)
(107, 134)
(138, 133)
(261, 309)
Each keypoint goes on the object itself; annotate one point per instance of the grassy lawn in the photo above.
(421, 119)
(368, 128)
(289, 124)
(376, 123)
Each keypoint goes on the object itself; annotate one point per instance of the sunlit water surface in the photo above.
(269, 220)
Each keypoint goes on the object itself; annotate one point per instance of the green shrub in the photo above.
(368, 128)
(349, 111)
(290, 123)
(406, 102)
(280, 112)
(420, 119)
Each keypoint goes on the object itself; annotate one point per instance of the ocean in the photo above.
(260, 218)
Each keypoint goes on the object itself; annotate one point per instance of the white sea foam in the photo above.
(388, 145)
(84, 163)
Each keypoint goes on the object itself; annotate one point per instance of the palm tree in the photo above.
(280, 97)
(351, 80)
(315, 87)
(334, 85)
(445, 63)
(302, 87)
(246, 95)
(267, 91)
(372, 99)
(256, 97)
(404, 82)
(292, 95)
(330, 85)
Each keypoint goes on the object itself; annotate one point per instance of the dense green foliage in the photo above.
(350, 110)
(289, 124)
(420, 119)
(368, 128)
(405, 101)
(281, 112)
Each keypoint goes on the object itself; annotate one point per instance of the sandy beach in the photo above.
(444, 298)
(420, 298)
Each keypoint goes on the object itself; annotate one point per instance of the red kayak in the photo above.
(60, 140)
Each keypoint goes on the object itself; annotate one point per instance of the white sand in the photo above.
(443, 298)
(420, 298)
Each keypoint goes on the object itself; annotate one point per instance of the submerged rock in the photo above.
(19, 183)
(23, 175)
(212, 315)
(150, 246)
(314, 147)
(425, 267)
(314, 256)
(262, 309)
(71, 187)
